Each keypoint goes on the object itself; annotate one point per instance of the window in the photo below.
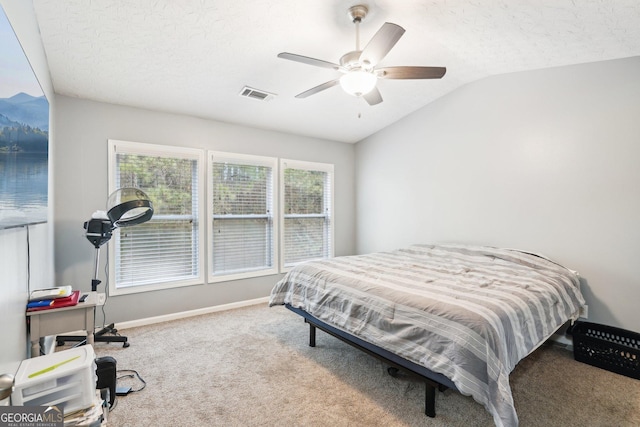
(307, 207)
(163, 252)
(242, 242)
(243, 235)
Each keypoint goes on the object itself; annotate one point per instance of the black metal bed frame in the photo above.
(432, 379)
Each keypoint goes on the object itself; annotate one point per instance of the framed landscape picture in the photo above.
(24, 136)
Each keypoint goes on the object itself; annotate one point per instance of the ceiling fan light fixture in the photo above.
(361, 66)
(358, 82)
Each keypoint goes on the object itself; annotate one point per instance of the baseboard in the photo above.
(189, 313)
(562, 340)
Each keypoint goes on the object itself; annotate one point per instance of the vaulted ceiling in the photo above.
(194, 57)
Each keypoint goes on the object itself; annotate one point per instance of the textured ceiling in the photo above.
(194, 56)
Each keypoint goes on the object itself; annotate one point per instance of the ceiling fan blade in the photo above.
(410, 72)
(309, 61)
(318, 88)
(381, 43)
(373, 97)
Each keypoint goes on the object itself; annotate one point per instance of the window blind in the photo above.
(242, 223)
(166, 248)
(307, 230)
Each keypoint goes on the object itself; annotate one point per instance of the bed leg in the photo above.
(312, 335)
(430, 401)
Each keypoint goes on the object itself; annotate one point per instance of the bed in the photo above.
(459, 316)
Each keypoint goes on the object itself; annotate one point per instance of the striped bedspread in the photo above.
(469, 313)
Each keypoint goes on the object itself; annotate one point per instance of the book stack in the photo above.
(45, 299)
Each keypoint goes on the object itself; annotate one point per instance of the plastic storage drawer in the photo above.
(66, 379)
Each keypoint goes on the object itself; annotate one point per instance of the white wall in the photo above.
(83, 128)
(544, 160)
(13, 297)
(26, 254)
(24, 259)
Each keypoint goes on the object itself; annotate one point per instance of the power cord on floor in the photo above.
(125, 390)
(129, 390)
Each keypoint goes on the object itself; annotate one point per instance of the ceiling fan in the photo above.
(360, 67)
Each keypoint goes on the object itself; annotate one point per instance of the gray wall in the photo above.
(83, 128)
(544, 160)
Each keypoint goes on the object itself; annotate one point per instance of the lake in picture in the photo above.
(24, 146)
(23, 188)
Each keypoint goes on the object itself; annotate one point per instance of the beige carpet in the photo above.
(253, 367)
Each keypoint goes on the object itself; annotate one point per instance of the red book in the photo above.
(59, 302)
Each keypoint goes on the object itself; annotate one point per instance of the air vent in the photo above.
(260, 95)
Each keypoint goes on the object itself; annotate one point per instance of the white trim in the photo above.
(328, 168)
(562, 340)
(310, 166)
(244, 275)
(556, 338)
(145, 149)
(190, 313)
(136, 289)
(131, 147)
(249, 159)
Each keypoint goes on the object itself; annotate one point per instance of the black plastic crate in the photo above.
(614, 349)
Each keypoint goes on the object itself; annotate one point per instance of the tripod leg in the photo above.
(102, 335)
(106, 334)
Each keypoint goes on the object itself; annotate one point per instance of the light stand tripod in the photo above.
(98, 233)
(126, 207)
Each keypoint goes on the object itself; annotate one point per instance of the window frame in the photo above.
(220, 156)
(145, 149)
(310, 166)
